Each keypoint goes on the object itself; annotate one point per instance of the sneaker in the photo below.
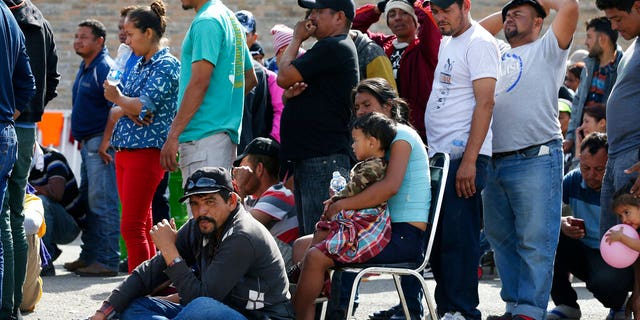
(385, 314)
(564, 312)
(505, 316)
(48, 270)
(617, 314)
(452, 316)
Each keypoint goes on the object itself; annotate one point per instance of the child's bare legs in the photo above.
(302, 244)
(310, 283)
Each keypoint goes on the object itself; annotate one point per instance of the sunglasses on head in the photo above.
(204, 182)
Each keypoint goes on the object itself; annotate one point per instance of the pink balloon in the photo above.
(617, 254)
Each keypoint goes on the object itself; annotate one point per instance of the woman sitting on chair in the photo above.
(406, 188)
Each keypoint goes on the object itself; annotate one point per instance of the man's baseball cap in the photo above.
(443, 3)
(515, 3)
(207, 180)
(262, 146)
(346, 6)
(247, 20)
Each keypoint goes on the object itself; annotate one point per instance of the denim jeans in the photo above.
(14, 239)
(61, 226)
(311, 187)
(101, 241)
(608, 284)
(8, 155)
(456, 250)
(199, 309)
(522, 210)
(614, 179)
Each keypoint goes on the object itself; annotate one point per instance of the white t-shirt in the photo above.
(526, 109)
(461, 60)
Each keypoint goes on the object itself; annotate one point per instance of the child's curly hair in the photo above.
(624, 197)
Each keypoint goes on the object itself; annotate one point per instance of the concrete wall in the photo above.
(65, 15)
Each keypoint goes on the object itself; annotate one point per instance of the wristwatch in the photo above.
(177, 259)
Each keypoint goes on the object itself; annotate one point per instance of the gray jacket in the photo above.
(583, 90)
(244, 270)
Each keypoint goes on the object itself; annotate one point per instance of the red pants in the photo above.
(138, 173)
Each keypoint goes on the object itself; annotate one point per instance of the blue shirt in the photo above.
(18, 85)
(90, 108)
(411, 203)
(585, 204)
(155, 83)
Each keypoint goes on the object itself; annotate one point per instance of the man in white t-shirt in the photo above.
(458, 119)
(522, 198)
(256, 175)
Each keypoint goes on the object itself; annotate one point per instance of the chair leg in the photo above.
(323, 310)
(427, 297)
(403, 300)
(352, 296)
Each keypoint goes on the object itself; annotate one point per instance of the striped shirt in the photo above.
(278, 202)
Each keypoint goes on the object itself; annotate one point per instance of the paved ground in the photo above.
(68, 296)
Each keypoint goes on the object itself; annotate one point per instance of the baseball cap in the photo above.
(260, 145)
(207, 180)
(346, 6)
(256, 48)
(443, 3)
(247, 20)
(515, 3)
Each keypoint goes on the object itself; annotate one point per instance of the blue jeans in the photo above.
(61, 226)
(311, 184)
(101, 241)
(8, 156)
(456, 250)
(614, 179)
(522, 210)
(158, 309)
(14, 239)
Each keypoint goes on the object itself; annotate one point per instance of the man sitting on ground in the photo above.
(223, 263)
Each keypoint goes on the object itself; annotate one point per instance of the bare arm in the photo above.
(564, 24)
(287, 72)
(493, 22)
(54, 189)
(262, 217)
(250, 80)
(483, 90)
(201, 72)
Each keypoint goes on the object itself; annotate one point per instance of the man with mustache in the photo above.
(223, 263)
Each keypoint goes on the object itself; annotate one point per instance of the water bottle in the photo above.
(115, 74)
(338, 182)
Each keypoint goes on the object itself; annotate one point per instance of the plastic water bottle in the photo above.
(338, 182)
(115, 74)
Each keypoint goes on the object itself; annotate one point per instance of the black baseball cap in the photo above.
(207, 180)
(346, 6)
(260, 145)
(443, 3)
(515, 3)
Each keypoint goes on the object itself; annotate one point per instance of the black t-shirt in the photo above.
(316, 123)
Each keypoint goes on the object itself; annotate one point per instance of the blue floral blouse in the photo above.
(155, 83)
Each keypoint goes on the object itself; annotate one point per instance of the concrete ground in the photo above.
(67, 296)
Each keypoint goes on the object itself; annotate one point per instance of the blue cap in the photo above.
(247, 21)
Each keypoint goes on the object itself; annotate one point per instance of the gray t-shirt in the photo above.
(623, 106)
(526, 108)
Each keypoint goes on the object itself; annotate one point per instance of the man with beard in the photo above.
(522, 198)
(215, 76)
(223, 263)
(598, 75)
